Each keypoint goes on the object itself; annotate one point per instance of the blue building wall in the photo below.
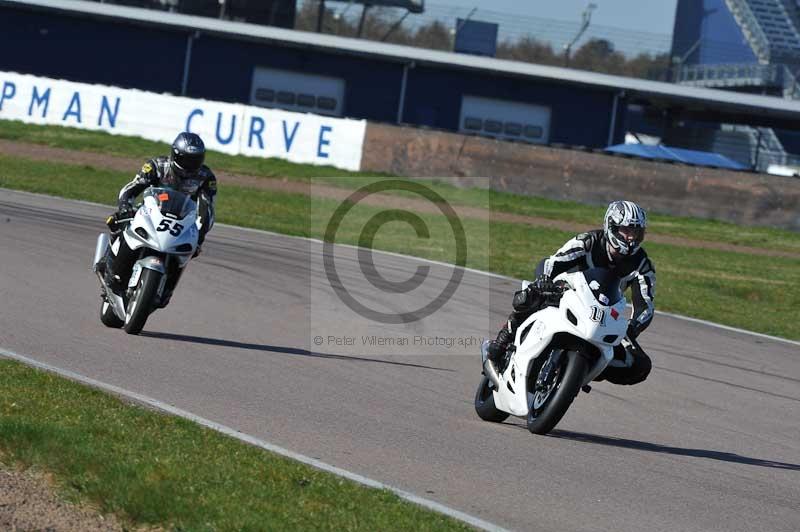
(579, 116)
(92, 52)
(711, 23)
(136, 56)
(222, 69)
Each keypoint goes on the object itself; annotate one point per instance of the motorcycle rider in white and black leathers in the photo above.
(617, 247)
(182, 170)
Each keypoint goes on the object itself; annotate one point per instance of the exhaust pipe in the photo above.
(488, 366)
(491, 373)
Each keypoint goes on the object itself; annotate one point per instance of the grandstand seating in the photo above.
(770, 30)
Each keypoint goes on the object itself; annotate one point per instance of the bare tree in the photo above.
(598, 55)
(529, 50)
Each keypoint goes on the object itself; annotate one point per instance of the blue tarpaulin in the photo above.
(701, 158)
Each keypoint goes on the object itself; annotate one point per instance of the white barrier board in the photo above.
(229, 128)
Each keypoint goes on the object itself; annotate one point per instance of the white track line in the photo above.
(317, 464)
(729, 328)
(429, 261)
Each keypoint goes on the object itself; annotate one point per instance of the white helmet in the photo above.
(624, 226)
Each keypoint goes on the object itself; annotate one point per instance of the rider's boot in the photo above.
(113, 282)
(118, 267)
(496, 349)
(525, 303)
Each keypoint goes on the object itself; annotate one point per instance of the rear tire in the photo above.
(569, 380)
(142, 301)
(484, 403)
(108, 317)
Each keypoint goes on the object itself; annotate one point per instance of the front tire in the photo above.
(108, 317)
(484, 403)
(566, 385)
(142, 301)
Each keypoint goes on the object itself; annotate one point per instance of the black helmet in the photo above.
(188, 154)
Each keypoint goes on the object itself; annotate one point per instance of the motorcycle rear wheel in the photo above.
(484, 403)
(567, 383)
(142, 301)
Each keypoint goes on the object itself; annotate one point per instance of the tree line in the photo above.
(597, 55)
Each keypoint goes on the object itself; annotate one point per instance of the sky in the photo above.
(653, 16)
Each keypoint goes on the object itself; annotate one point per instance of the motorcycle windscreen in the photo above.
(605, 286)
(171, 202)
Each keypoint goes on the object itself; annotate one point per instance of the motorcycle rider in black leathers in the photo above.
(182, 170)
(617, 247)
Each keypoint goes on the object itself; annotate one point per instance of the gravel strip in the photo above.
(28, 501)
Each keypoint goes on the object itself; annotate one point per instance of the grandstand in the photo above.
(749, 46)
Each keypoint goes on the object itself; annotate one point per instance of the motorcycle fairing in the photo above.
(593, 324)
(165, 233)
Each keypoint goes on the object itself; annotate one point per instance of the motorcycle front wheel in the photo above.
(108, 317)
(484, 403)
(142, 301)
(553, 397)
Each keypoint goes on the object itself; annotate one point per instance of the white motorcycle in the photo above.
(557, 352)
(165, 231)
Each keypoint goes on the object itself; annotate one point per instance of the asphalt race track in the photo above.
(710, 442)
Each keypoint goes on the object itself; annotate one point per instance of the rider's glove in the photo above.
(549, 291)
(543, 285)
(124, 214)
(534, 295)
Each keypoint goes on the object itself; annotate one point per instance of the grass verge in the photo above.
(154, 469)
(693, 228)
(737, 289)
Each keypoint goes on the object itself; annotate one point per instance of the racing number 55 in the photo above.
(175, 230)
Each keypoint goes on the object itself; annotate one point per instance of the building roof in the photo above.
(666, 94)
(666, 153)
